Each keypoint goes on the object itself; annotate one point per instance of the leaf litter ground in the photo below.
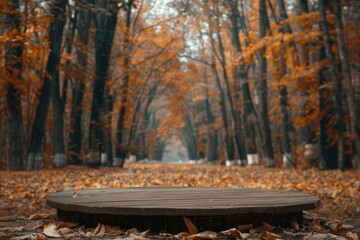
(22, 194)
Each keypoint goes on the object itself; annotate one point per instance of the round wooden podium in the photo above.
(163, 208)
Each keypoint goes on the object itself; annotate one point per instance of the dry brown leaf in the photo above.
(12, 229)
(294, 225)
(101, 232)
(190, 226)
(146, 233)
(33, 225)
(183, 234)
(245, 228)
(33, 236)
(38, 216)
(113, 231)
(133, 231)
(136, 237)
(192, 183)
(203, 236)
(166, 236)
(268, 226)
(61, 224)
(7, 218)
(352, 236)
(317, 229)
(347, 227)
(81, 231)
(65, 231)
(269, 236)
(323, 236)
(232, 233)
(98, 230)
(51, 231)
(4, 235)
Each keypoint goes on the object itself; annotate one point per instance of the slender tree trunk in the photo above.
(38, 130)
(307, 135)
(211, 153)
(241, 75)
(236, 121)
(350, 96)
(264, 117)
(13, 65)
(121, 151)
(337, 86)
(327, 149)
(229, 144)
(286, 123)
(83, 30)
(59, 100)
(104, 36)
(59, 147)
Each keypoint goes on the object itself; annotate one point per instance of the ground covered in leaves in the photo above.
(22, 194)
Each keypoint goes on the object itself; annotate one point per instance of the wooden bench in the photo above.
(163, 208)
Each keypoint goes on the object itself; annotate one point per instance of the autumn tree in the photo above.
(58, 10)
(13, 72)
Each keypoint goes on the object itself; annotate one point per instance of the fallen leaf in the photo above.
(203, 235)
(133, 231)
(99, 231)
(245, 228)
(51, 231)
(38, 216)
(7, 218)
(65, 231)
(113, 231)
(4, 235)
(166, 236)
(183, 234)
(33, 225)
(352, 236)
(294, 225)
(146, 233)
(323, 236)
(268, 226)
(232, 233)
(193, 183)
(61, 224)
(347, 227)
(269, 236)
(190, 226)
(33, 236)
(136, 237)
(12, 229)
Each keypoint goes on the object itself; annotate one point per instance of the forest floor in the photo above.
(22, 194)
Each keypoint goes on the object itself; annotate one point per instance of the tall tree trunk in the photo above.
(249, 115)
(229, 143)
(237, 125)
(350, 96)
(286, 124)
(264, 117)
(104, 36)
(55, 34)
(83, 30)
(59, 100)
(307, 135)
(121, 151)
(58, 110)
(337, 86)
(327, 149)
(211, 153)
(13, 66)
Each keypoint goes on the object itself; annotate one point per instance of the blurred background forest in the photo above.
(265, 82)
